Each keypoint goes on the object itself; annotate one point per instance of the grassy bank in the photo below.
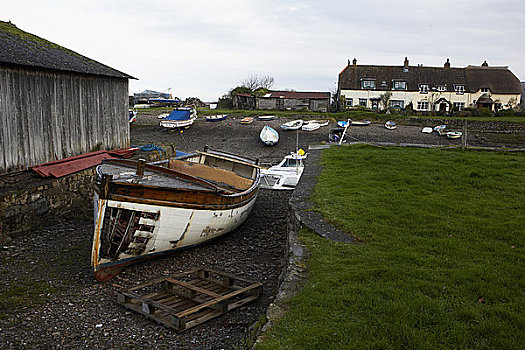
(441, 260)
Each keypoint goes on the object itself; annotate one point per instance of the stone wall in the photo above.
(32, 202)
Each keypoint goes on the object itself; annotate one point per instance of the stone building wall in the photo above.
(32, 204)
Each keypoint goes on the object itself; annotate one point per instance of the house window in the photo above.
(460, 89)
(397, 104)
(422, 105)
(362, 102)
(383, 83)
(399, 85)
(442, 88)
(349, 102)
(459, 105)
(484, 89)
(423, 88)
(368, 84)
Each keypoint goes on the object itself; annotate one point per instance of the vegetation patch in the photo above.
(441, 264)
(24, 293)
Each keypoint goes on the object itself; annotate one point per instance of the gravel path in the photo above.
(77, 312)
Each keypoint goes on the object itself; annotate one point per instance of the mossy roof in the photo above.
(20, 48)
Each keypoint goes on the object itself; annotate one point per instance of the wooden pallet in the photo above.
(187, 299)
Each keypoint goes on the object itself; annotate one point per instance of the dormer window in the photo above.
(368, 84)
(423, 88)
(459, 89)
(399, 85)
(441, 88)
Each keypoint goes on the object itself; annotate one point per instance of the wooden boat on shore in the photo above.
(143, 210)
(269, 136)
(247, 120)
(361, 122)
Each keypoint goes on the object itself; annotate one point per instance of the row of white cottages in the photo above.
(428, 88)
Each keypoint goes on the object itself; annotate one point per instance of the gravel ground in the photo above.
(74, 311)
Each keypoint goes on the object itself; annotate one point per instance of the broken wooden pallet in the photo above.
(186, 299)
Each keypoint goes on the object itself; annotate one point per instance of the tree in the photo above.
(385, 98)
(255, 81)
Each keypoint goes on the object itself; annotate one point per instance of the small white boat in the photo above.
(361, 122)
(454, 134)
(427, 130)
(390, 125)
(181, 117)
(440, 129)
(310, 126)
(293, 125)
(267, 117)
(286, 175)
(215, 118)
(269, 136)
(343, 123)
(320, 122)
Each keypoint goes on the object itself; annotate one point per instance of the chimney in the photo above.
(354, 61)
(485, 64)
(405, 65)
(447, 64)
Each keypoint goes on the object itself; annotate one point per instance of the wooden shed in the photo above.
(56, 103)
(295, 101)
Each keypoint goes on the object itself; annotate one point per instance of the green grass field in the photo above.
(440, 263)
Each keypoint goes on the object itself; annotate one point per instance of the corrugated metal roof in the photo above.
(75, 164)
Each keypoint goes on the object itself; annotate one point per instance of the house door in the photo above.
(442, 107)
(375, 104)
(314, 106)
(279, 104)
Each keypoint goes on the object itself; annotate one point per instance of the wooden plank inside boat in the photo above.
(187, 299)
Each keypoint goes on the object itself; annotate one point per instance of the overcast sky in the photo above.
(205, 48)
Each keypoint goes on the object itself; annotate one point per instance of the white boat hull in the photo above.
(174, 124)
(175, 228)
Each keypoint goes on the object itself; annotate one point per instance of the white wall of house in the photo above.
(432, 96)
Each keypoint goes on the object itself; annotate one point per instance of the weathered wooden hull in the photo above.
(136, 221)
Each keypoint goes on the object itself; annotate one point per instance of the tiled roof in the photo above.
(24, 49)
(498, 79)
(298, 95)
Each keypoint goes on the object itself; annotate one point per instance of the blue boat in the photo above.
(181, 117)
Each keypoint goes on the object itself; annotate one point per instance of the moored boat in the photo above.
(292, 125)
(215, 118)
(454, 134)
(286, 174)
(247, 120)
(310, 126)
(145, 210)
(320, 122)
(181, 117)
(267, 117)
(361, 122)
(427, 130)
(269, 136)
(390, 125)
